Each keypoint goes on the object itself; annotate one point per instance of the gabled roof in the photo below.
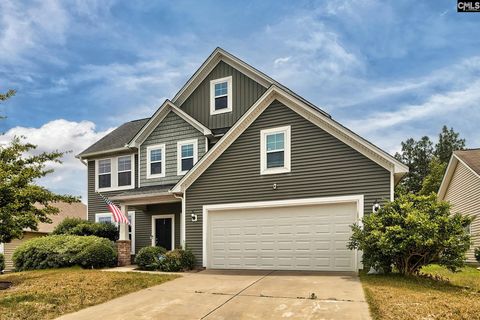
(312, 114)
(115, 140)
(221, 55)
(469, 158)
(158, 116)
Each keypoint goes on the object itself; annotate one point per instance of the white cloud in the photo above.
(29, 31)
(62, 135)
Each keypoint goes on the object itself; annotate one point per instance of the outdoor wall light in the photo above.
(194, 216)
(376, 206)
(274, 186)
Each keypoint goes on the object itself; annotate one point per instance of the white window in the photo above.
(107, 217)
(104, 173)
(124, 171)
(187, 154)
(221, 95)
(156, 161)
(275, 150)
(115, 173)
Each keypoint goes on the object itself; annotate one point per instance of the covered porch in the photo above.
(156, 218)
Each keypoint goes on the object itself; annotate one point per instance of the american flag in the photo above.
(118, 216)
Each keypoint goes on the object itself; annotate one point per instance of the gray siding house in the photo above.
(242, 171)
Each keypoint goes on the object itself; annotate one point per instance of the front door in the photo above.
(163, 233)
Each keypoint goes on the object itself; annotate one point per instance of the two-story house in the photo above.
(242, 171)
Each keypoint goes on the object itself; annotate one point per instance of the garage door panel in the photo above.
(310, 237)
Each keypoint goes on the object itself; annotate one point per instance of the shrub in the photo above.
(411, 232)
(178, 260)
(157, 258)
(79, 227)
(148, 258)
(58, 251)
(477, 254)
(2, 262)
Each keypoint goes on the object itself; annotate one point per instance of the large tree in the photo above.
(427, 163)
(448, 141)
(24, 203)
(417, 156)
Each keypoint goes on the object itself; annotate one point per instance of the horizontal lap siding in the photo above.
(245, 92)
(463, 193)
(169, 131)
(322, 166)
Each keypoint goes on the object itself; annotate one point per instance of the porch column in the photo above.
(123, 227)
(123, 243)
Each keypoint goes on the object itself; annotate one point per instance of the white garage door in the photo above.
(302, 237)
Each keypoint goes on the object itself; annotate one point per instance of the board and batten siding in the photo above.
(321, 166)
(463, 193)
(245, 92)
(171, 130)
(143, 214)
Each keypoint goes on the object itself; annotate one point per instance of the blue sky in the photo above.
(388, 70)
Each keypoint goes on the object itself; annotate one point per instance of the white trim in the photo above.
(163, 216)
(335, 129)
(114, 173)
(183, 237)
(358, 199)
(2, 249)
(179, 154)
(229, 107)
(158, 117)
(286, 130)
(155, 147)
(132, 222)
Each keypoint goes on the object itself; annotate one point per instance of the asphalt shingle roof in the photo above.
(117, 138)
(471, 158)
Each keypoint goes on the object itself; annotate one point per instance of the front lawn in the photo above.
(396, 297)
(47, 294)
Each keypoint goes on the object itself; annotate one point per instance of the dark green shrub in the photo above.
(59, 251)
(66, 225)
(412, 232)
(177, 260)
(148, 258)
(477, 254)
(79, 227)
(2, 262)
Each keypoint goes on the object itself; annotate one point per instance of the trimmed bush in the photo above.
(79, 227)
(59, 251)
(178, 260)
(2, 262)
(157, 258)
(477, 254)
(411, 232)
(148, 258)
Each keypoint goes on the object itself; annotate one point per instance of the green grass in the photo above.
(47, 294)
(396, 297)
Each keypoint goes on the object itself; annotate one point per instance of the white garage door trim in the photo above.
(358, 199)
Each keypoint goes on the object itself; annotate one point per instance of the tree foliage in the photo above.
(448, 141)
(427, 162)
(23, 203)
(410, 232)
(431, 183)
(5, 96)
(417, 156)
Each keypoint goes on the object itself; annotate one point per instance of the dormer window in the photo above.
(221, 95)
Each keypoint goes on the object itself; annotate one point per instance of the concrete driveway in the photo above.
(214, 294)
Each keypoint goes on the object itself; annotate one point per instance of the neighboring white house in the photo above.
(461, 187)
